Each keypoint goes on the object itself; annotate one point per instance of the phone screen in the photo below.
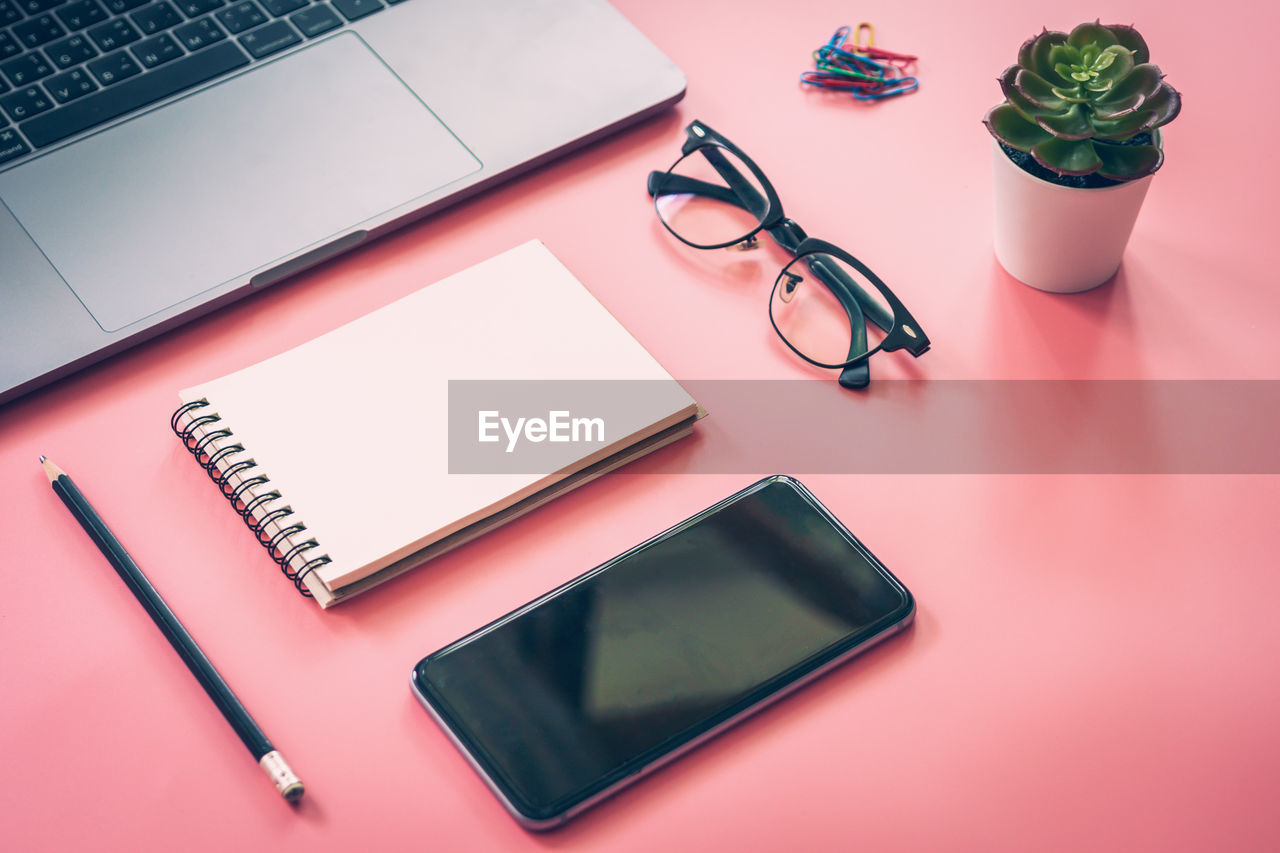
(578, 692)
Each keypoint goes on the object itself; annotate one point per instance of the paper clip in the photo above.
(854, 67)
(857, 38)
(900, 60)
(897, 86)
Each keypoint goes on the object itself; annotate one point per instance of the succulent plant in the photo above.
(1085, 103)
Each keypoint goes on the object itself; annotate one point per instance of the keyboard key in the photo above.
(70, 51)
(9, 13)
(81, 14)
(241, 17)
(156, 51)
(198, 34)
(280, 8)
(119, 7)
(11, 145)
(35, 7)
(196, 8)
(113, 34)
(114, 68)
(353, 10)
(25, 103)
(8, 45)
(264, 41)
(26, 69)
(69, 86)
(34, 32)
(4, 87)
(316, 20)
(155, 17)
(133, 93)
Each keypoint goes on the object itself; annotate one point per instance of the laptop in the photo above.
(161, 158)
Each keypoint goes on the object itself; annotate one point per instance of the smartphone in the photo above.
(568, 699)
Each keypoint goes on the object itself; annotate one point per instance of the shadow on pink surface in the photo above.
(1061, 335)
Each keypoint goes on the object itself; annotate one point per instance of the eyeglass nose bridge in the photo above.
(787, 234)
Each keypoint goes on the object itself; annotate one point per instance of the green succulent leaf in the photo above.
(1131, 39)
(1092, 33)
(1075, 95)
(1114, 63)
(1112, 111)
(1036, 89)
(1072, 124)
(1029, 109)
(1142, 79)
(1034, 53)
(1127, 162)
(1166, 103)
(1125, 126)
(1067, 156)
(1008, 126)
(1007, 78)
(1063, 54)
(1026, 57)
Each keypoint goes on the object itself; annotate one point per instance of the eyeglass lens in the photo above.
(710, 198)
(828, 311)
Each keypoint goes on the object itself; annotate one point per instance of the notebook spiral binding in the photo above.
(250, 494)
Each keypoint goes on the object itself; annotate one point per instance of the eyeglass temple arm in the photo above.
(752, 200)
(789, 236)
(680, 185)
(739, 193)
(858, 374)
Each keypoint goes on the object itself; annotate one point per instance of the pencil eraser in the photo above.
(281, 775)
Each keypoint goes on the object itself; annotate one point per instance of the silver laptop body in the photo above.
(117, 233)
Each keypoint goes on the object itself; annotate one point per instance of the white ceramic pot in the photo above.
(1061, 239)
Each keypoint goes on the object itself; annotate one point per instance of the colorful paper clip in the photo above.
(868, 72)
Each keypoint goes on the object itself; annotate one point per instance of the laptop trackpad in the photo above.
(227, 182)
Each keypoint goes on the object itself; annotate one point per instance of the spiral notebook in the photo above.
(337, 453)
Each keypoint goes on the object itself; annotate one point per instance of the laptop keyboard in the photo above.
(69, 65)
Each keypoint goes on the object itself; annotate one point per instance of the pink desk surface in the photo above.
(1094, 664)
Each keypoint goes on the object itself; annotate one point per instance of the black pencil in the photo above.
(289, 785)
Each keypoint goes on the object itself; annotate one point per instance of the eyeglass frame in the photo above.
(900, 328)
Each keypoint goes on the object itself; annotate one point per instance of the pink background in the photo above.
(1094, 660)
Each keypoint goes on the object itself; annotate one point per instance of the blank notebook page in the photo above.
(352, 426)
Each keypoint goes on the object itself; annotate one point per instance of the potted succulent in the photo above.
(1076, 144)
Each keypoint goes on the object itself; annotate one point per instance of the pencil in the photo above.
(271, 761)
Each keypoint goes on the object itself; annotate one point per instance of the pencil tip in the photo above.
(52, 471)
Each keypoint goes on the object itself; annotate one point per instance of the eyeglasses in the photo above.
(826, 305)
